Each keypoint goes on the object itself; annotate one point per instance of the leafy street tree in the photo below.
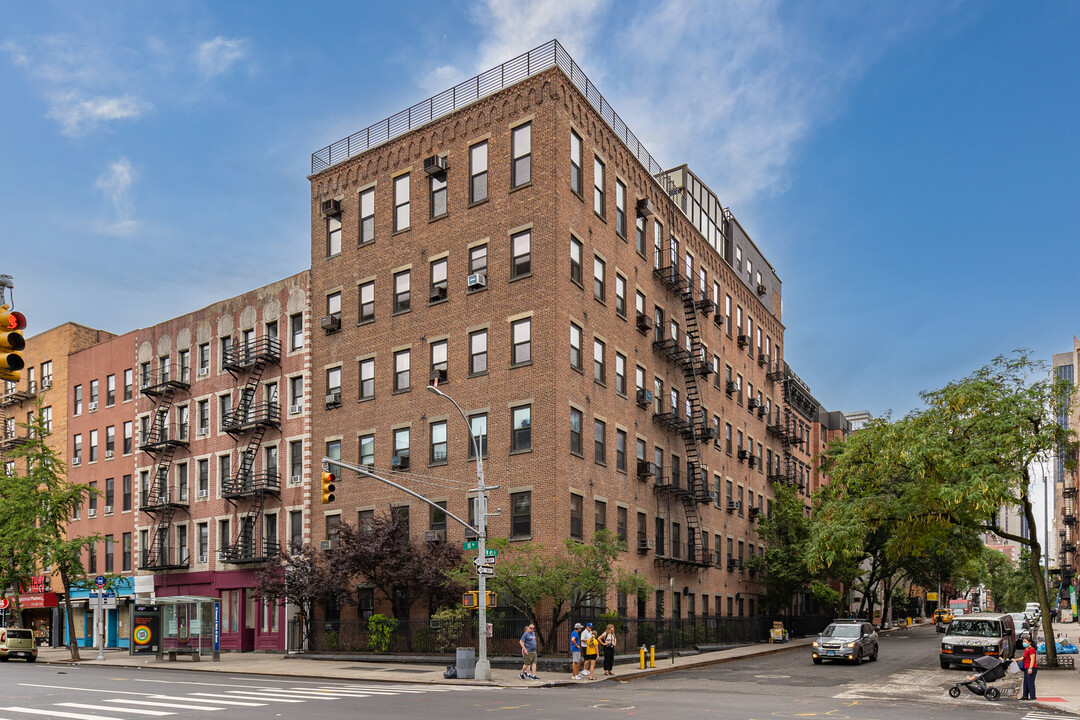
(536, 582)
(948, 468)
(302, 577)
(400, 570)
(784, 568)
(34, 511)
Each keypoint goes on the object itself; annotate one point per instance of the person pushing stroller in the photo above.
(991, 669)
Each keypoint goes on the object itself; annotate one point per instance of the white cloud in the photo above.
(517, 26)
(78, 115)
(116, 183)
(441, 78)
(216, 56)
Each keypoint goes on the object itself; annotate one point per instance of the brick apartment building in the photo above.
(611, 331)
(101, 454)
(221, 419)
(45, 377)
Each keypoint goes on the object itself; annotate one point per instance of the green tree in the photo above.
(784, 568)
(302, 577)
(538, 583)
(34, 511)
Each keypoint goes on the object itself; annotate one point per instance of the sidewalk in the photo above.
(300, 666)
(1060, 689)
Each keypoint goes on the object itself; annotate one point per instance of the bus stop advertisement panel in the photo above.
(146, 630)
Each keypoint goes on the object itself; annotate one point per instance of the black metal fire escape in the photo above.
(248, 424)
(162, 442)
(1069, 522)
(689, 423)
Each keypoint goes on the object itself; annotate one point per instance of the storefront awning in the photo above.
(38, 600)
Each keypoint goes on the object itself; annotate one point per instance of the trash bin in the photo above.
(466, 663)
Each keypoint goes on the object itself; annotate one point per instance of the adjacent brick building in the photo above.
(608, 327)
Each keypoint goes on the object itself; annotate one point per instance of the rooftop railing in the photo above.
(489, 82)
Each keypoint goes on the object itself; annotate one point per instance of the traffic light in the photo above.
(470, 599)
(11, 343)
(328, 487)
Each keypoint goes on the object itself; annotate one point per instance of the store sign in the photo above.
(38, 600)
(37, 584)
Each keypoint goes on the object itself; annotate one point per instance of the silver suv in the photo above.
(850, 640)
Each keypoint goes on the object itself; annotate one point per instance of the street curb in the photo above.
(649, 672)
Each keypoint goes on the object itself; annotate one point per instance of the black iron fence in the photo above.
(430, 637)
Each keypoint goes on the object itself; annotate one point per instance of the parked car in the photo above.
(974, 636)
(1023, 623)
(850, 640)
(17, 643)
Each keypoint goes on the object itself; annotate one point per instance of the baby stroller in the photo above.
(991, 669)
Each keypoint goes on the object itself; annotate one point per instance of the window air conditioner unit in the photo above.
(733, 563)
(435, 536)
(752, 460)
(713, 496)
(202, 431)
(435, 165)
(333, 400)
(324, 545)
(645, 469)
(754, 512)
(296, 409)
(752, 403)
(438, 374)
(400, 462)
(644, 323)
(203, 494)
(331, 207)
(733, 505)
(46, 382)
(707, 432)
(92, 406)
(295, 480)
(744, 454)
(646, 207)
(203, 372)
(108, 454)
(477, 281)
(744, 340)
(76, 462)
(762, 359)
(731, 386)
(331, 323)
(761, 289)
(438, 293)
(108, 509)
(203, 558)
(92, 512)
(761, 411)
(644, 398)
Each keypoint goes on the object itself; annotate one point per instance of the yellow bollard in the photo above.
(909, 622)
(652, 656)
(642, 657)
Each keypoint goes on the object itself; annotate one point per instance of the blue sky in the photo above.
(906, 167)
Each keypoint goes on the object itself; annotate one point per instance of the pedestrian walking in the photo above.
(575, 652)
(592, 648)
(528, 653)
(1031, 669)
(607, 642)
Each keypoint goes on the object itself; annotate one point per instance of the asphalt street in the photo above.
(905, 683)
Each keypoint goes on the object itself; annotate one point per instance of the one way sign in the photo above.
(483, 562)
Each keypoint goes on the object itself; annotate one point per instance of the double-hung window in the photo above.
(401, 203)
(575, 162)
(402, 292)
(438, 196)
(521, 169)
(367, 216)
(478, 172)
(620, 209)
(521, 334)
(367, 302)
(522, 254)
(598, 186)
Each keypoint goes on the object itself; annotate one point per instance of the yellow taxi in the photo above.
(942, 617)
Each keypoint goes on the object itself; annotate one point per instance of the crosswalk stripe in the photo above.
(353, 693)
(251, 694)
(186, 698)
(278, 700)
(164, 704)
(304, 695)
(60, 714)
(372, 689)
(86, 706)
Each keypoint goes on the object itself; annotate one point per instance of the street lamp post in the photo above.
(483, 667)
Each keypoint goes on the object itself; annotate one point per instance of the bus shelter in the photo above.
(190, 625)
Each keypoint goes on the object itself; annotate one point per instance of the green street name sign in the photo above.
(473, 545)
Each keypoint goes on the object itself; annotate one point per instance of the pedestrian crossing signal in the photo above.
(471, 599)
(328, 487)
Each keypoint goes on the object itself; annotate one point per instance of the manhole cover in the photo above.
(773, 677)
(613, 706)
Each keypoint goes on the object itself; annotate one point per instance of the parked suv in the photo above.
(850, 640)
(973, 636)
(17, 643)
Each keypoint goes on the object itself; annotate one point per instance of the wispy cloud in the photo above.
(115, 183)
(78, 115)
(516, 26)
(215, 57)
